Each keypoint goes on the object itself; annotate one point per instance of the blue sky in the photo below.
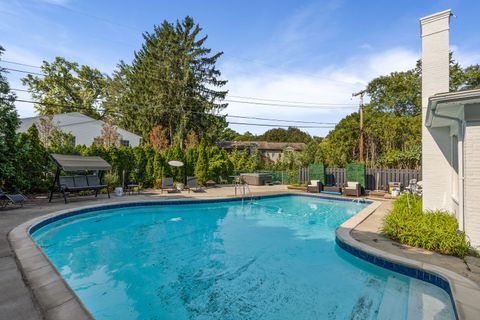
(316, 51)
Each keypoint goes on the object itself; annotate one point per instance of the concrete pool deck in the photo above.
(33, 289)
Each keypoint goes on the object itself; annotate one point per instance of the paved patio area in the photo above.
(369, 232)
(16, 299)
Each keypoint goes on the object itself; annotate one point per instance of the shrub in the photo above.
(431, 230)
(111, 179)
(201, 167)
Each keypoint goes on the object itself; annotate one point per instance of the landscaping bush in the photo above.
(431, 230)
(111, 180)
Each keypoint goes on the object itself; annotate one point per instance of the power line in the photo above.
(289, 101)
(220, 115)
(44, 74)
(227, 115)
(24, 71)
(20, 64)
(326, 106)
(326, 126)
(229, 95)
(298, 103)
(276, 126)
(323, 106)
(279, 120)
(21, 90)
(50, 104)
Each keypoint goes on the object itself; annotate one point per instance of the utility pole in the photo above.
(360, 111)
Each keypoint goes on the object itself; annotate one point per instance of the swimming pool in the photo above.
(272, 258)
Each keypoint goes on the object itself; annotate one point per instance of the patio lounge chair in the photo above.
(192, 184)
(16, 199)
(222, 181)
(315, 186)
(352, 189)
(167, 184)
(130, 187)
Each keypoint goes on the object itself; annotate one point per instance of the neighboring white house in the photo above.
(82, 127)
(450, 134)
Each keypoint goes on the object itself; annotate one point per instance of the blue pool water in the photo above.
(275, 258)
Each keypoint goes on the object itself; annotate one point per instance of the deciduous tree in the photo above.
(67, 87)
(109, 135)
(158, 138)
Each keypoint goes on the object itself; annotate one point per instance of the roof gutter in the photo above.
(459, 97)
(435, 114)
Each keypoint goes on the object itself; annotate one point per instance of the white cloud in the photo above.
(464, 57)
(331, 84)
(397, 59)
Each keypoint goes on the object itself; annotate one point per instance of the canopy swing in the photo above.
(71, 163)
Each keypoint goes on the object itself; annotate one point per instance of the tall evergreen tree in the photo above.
(32, 164)
(172, 82)
(9, 123)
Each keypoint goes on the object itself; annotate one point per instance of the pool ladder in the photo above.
(242, 188)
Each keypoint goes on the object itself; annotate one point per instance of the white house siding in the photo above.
(472, 182)
(85, 133)
(82, 127)
(436, 148)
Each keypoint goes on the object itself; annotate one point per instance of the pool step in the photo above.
(423, 302)
(394, 302)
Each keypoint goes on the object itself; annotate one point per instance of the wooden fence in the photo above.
(377, 178)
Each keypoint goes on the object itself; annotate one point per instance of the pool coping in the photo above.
(58, 301)
(464, 293)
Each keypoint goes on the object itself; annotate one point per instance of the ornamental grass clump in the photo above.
(431, 230)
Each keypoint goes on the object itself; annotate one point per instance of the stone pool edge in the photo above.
(56, 299)
(462, 291)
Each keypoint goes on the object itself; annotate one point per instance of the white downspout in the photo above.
(461, 171)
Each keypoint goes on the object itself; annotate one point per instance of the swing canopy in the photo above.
(79, 163)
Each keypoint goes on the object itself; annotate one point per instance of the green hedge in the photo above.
(432, 230)
(143, 164)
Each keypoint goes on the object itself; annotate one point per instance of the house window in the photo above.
(125, 143)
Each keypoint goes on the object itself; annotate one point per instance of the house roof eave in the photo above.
(449, 102)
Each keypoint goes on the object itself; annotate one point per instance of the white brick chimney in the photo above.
(437, 189)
